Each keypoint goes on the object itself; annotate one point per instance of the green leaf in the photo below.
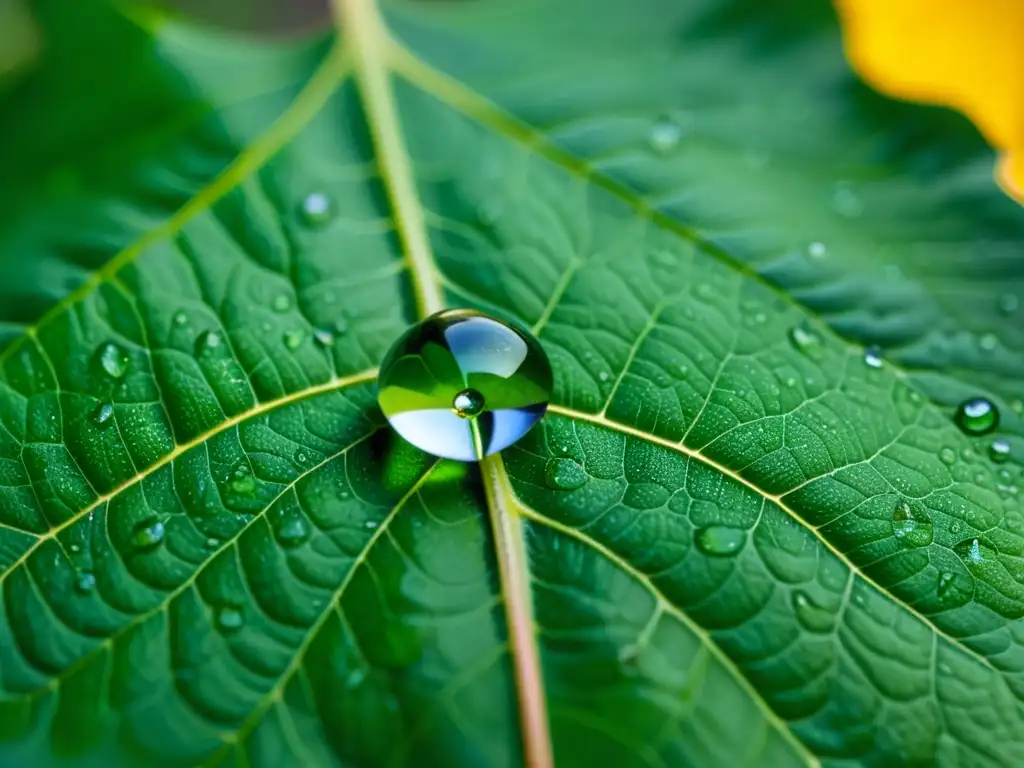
(735, 539)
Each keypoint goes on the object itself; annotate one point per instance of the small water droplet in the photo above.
(371, 524)
(180, 318)
(977, 416)
(945, 582)
(805, 340)
(468, 403)
(817, 250)
(212, 542)
(301, 457)
(75, 549)
(811, 616)
(282, 302)
(948, 456)
(207, 342)
(293, 530)
(148, 534)
(720, 540)
(911, 525)
(113, 360)
(564, 474)
(988, 342)
(604, 376)
(323, 338)
(665, 135)
(230, 619)
(1007, 304)
(103, 414)
(317, 209)
(293, 339)
(999, 450)
(873, 356)
(85, 582)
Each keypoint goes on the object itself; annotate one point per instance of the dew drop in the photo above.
(230, 619)
(977, 416)
(948, 456)
(1007, 304)
(847, 203)
(500, 376)
(212, 542)
(988, 342)
(945, 582)
(604, 376)
(103, 414)
(293, 339)
(180, 318)
(301, 457)
(323, 338)
(282, 302)
(805, 340)
(817, 250)
(207, 342)
(148, 534)
(720, 540)
(85, 582)
(873, 356)
(812, 616)
(999, 450)
(564, 474)
(113, 360)
(293, 531)
(665, 135)
(371, 524)
(911, 525)
(317, 209)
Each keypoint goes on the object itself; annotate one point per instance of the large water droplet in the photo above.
(812, 616)
(230, 619)
(293, 530)
(148, 534)
(911, 525)
(113, 360)
(806, 340)
(720, 540)
(977, 416)
(85, 582)
(665, 135)
(293, 339)
(873, 356)
(999, 450)
(564, 474)
(945, 582)
(317, 209)
(449, 355)
(103, 414)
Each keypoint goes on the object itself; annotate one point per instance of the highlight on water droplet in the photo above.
(282, 302)
(999, 450)
(323, 338)
(666, 134)
(317, 208)
(812, 616)
(293, 339)
(85, 582)
(911, 525)
(230, 619)
(103, 414)
(945, 582)
(988, 342)
(563, 474)
(113, 360)
(805, 340)
(463, 384)
(207, 342)
(180, 318)
(977, 416)
(720, 540)
(873, 356)
(148, 534)
(817, 250)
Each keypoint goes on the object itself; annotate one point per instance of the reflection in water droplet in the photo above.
(945, 582)
(148, 534)
(817, 250)
(293, 530)
(293, 339)
(323, 338)
(449, 354)
(911, 525)
(230, 619)
(873, 356)
(85, 582)
(1008, 304)
(113, 360)
(999, 450)
(977, 416)
(720, 540)
(948, 456)
(317, 208)
(564, 474)
(282, 302)
(811, 616)
(467, 404)
(665, 135)
(805, 340)
(103, 414)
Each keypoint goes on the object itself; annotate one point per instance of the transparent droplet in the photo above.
(445, 357)
(999, 450)
(293, 339)
(564, 474)
(1007, 304)
(230, 619)
(293, 530)
(604, 376)
(113, 360)
(323, 338)
(911, 525)
(817, 250)
(720, 540)
(207, 342)
(468, 403)
(812, 616)
(805, 340)
(148, 534)
(301, 457)
(212, 542)
(665, 135)
(873, 356)
(85, 582)
(317, 208)
(282, 302)
(244, 485)
(988, 342)
(180, 318)
(945, 582)
(971, 552)
(103, 414)
(977, 416)
(371, 524)
(948, 456)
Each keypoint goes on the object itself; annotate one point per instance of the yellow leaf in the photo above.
(965, 54)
